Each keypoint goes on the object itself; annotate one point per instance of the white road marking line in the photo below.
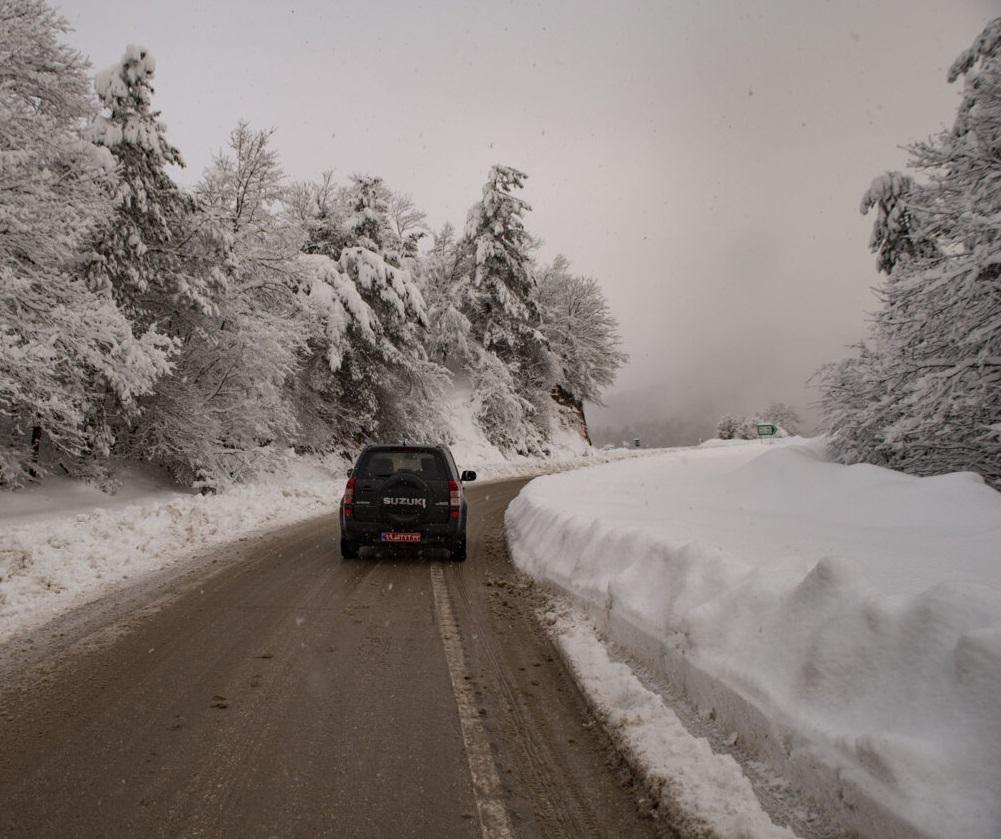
(494, 821)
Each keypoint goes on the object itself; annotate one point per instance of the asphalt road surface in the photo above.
(272, 689)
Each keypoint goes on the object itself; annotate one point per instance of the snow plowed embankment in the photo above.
(845, 622)
(53, 560)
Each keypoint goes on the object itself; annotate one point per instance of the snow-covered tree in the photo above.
(748, 428)
(408, 222)
(246, 180)
(728, 427)
(897, 233)
(246, 189)
(443, 274)
(581, 330)
(778, 414)
(158, 254)
(163, 257)
(368, 376)
(225, 412)
(499, 409)
(858, 401)
(365, 214)
(64, 348)
(783, 415)
(322, 209)
(930, 389)
(499, 304)
(235, 363)
(369, 223)
(504, 318)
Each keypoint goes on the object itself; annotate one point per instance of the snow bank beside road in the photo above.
(52, 560)
(706, 794)
(846, 621)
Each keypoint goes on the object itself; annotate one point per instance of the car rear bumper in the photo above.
(370, 533)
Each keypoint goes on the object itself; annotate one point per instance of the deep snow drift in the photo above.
(845, 621)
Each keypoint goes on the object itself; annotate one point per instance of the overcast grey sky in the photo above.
(703, 160)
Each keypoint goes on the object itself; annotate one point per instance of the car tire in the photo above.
(349, 550)
(458, 552)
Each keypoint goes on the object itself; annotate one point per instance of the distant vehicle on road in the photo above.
(405, 495)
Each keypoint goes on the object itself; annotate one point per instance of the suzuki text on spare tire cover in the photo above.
(406, 496)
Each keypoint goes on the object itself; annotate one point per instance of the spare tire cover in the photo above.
(405, 499)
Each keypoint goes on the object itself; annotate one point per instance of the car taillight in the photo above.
(349, 496)
(454, 498)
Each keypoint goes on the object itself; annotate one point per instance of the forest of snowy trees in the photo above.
(923, 394)
(206, 330)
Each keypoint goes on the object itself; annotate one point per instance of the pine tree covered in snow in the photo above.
(368, 222)
(499, 306)
(164, 259)
(367, 375)
(505, 319)
(366, 213)
(930, 389)
(64, 348)
(157, 253)
(897, 232)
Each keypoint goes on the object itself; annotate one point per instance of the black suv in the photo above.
(404, 495)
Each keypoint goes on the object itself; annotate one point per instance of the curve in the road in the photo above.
(291, 693)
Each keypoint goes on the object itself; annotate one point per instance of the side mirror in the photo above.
(467, 476)
(350, 472)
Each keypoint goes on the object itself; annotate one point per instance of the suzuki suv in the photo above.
(404, 495)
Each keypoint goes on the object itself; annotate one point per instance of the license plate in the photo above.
(401, 537)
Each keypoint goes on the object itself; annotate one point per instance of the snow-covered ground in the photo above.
(64, 543)
(843, 622)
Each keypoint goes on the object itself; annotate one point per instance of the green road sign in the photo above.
(767, 430)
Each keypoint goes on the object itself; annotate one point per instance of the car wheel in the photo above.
(349, 550)
(458, 552)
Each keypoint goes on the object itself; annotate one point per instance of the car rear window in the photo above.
(385, 464)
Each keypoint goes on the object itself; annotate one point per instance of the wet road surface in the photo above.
(277, 690)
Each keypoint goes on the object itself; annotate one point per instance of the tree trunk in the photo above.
(36, 445)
